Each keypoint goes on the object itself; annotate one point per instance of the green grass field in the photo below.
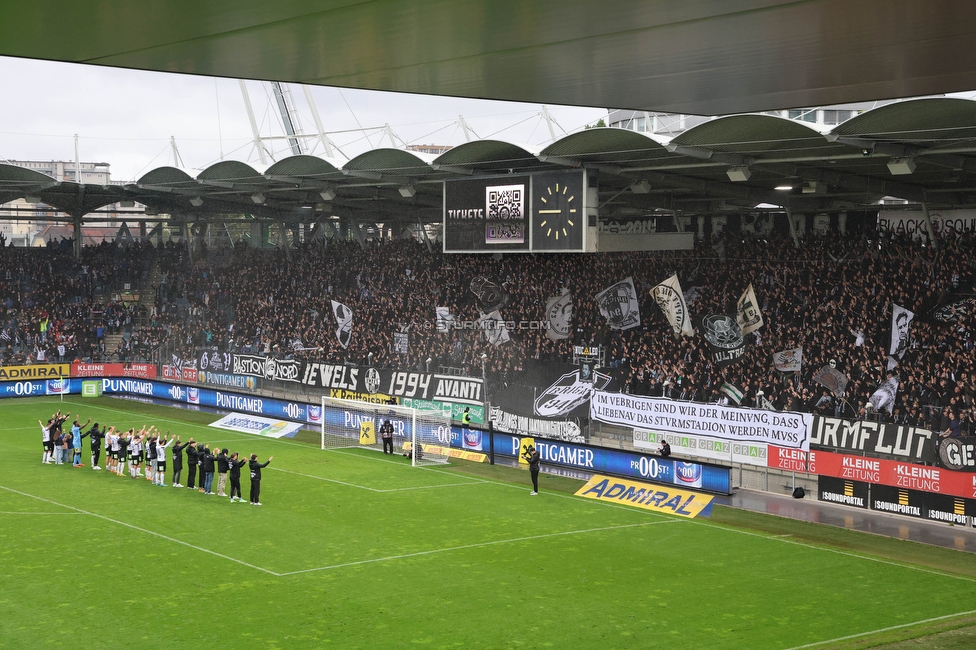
(353, 549)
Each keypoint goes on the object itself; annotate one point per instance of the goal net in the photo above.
(421, 435)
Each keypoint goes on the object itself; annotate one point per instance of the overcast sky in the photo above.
(126, 117)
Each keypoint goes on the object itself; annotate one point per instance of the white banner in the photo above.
(661, 415)
(494, 328)
(257, 425)
(901, 321)
(444, 319)
(746, 453)
(669, 298)
(945, 223)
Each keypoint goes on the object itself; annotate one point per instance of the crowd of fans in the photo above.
(832, 296)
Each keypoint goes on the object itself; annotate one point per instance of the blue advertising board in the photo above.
(630, 464)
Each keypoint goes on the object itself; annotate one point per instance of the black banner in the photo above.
(957, 454)
(725, 340)
(269, 368)
(216, 361)
(414, 385)
(892, 441)
(838, 490)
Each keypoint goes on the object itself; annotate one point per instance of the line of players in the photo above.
(132, 451)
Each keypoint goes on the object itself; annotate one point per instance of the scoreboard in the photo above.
(545, 211)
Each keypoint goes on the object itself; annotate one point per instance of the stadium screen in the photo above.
(515, 213)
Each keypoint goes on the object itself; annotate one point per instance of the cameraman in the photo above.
(531, 456)
(665, 449)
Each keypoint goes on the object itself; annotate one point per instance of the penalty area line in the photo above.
(141, 530)
(469, 546)
(884, 629)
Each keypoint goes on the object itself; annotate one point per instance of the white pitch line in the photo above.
(477, 545)
(364, 487)
(9, 512)
(884, 629)
(141, 530)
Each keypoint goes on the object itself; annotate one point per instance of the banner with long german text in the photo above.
(787, 429)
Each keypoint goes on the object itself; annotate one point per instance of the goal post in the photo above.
(423, 436)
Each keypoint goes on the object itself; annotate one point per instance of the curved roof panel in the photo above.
(302, 166)
(167, 177)
(610, 145)
(488, 153)
(927, 122)
(231, 171)
(390, 161)
(758, 135)
(12, 174)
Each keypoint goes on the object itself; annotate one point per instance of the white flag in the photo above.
(788, 360)
(749, 317)
(901, 321)
(444, 319)
(883, 399)
(343, 316)
(559, 315)
(618, 304)
(494, 328)
(669, 298)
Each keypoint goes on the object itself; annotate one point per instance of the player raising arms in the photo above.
(161, 444)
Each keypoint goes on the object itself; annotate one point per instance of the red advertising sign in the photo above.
(792, 460)
(184, 374)
(924, 478)
(135, 370)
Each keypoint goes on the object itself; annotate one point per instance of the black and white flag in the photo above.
(901, 321)
(724, 338)
(749, 317)
(883, 399)
(669, 298)
(490, 294)
(618, 304)
(401, 343)
(832, 379)
(343, 316)
(559, 315)
(494, 328)
(444, 319)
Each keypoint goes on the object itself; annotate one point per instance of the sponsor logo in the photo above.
(689, 474)
(315, 414)
(193, 395)
(13, 373)
(372, 380)
(647, 496)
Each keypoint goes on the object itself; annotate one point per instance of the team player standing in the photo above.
(142, 453)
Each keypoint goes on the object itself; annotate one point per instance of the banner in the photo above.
(488, 293)
(223, 380)
(787, 429)
(559, 315)
(748, 316)
(832, 379)
(618, 304)
(901, 321)
(267, 367)
(568, 393)
(257, 425)
(216, 361)
(446, 409)
(945, 223)
(343, 316)
(139, 370)
(957, 454)
(669, 298)
(788, 360)
(567, 430)
(37, 371)
(647, 496)
(900, 442)
(401, 343)
(746, 453)
(951, 312)
(724, 339)
(894, 473)
(415, 385)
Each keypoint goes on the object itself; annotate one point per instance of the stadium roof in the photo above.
(919, 150)
(702, 58)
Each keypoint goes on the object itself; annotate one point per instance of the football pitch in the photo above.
(354, 549)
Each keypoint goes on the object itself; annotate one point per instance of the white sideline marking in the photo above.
(477, 545)
(780, 538)
(8, 512)
(884, 629)
(141, 530)
(363, 487)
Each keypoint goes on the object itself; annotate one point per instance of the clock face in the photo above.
(558, 214)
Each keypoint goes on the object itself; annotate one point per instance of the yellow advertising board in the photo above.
(524, 450)
(367, 433)
(473, 456)
(659, 498)
(37, 371)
